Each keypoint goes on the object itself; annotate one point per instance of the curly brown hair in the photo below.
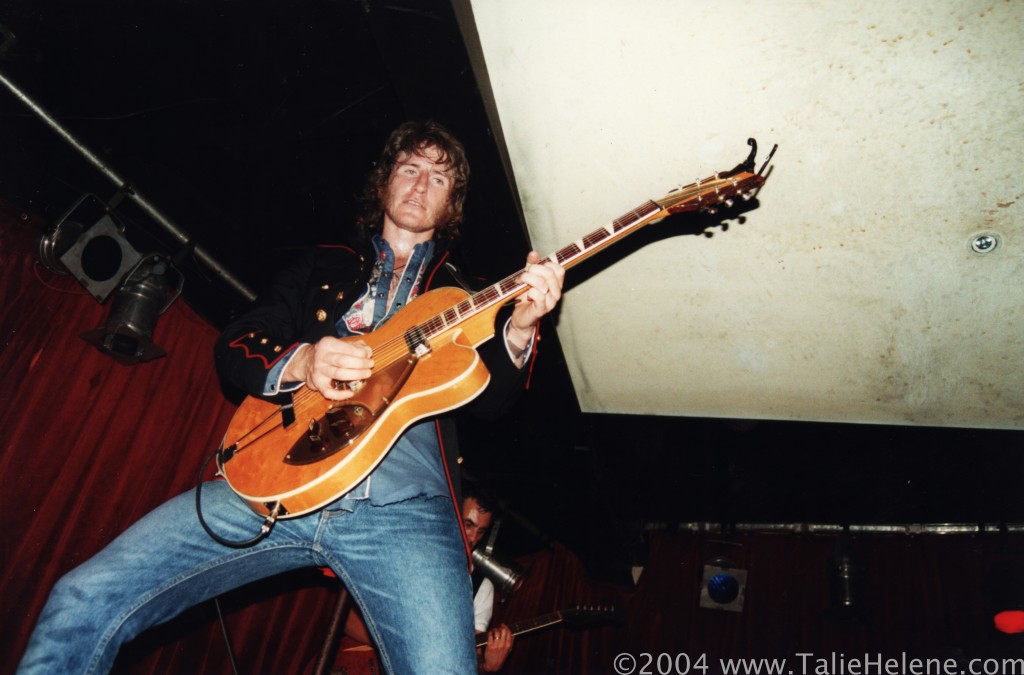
(413, 138)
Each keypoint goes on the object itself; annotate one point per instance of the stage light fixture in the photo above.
(723, 586)
(105, 263)
(127, 334)
(845, 580)
(98, 255)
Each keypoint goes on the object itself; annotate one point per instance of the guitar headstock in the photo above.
(583, 615)
(719, 190)
(711, 193)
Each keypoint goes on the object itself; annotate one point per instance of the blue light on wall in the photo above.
(723, 586)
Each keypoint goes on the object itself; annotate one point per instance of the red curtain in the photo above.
(87, 446)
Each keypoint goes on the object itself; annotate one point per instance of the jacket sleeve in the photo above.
(507, 380)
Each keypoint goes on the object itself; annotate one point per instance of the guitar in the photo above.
(573, 616)
(286, 461)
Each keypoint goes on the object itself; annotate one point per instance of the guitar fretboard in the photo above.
(573, 616)
(530, 625)
(705, 194)
(510, 286)
(536, 623)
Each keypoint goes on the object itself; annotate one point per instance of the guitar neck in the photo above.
(510, 287)
(576, 252)
(706, 194)
(528, 626)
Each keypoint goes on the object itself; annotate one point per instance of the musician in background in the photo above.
(478, 510)
(394, 540)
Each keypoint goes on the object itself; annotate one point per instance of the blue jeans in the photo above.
(404, 564)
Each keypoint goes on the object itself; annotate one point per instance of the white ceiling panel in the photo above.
(852, 292)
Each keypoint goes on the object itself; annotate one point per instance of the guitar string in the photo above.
(239, 445)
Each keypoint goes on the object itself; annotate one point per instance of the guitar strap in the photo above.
(459, 279)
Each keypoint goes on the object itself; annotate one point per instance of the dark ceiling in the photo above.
(250, 125)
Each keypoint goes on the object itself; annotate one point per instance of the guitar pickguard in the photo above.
(345, 422)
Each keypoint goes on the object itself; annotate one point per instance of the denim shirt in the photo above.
(413, 466)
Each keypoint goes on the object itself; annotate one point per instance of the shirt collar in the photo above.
(381, 246)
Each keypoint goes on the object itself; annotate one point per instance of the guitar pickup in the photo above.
(417, 342)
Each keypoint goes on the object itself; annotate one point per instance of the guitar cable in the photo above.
(265, 528)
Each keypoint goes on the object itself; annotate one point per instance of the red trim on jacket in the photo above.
(237, 342)
(430, 278)
(451, 490)
(347, 248)
(533, 356)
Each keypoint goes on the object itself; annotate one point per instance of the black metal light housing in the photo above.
(127, 334)
(98, 255)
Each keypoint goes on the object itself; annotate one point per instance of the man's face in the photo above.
(474, 521)
(417, 194)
